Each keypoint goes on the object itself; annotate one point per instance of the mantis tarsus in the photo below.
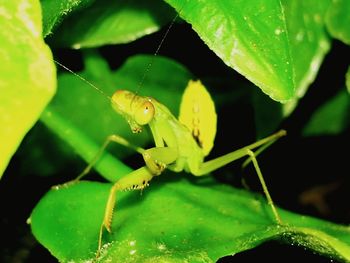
(180, 144)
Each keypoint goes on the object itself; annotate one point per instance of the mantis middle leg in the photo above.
(156, 158)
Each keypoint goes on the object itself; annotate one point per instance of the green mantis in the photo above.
(180, 144)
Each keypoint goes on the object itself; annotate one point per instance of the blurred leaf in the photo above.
(338, 20)
(175, 221)
(112, 22)
(44, 149)
(27, 74)
(348, 79)
(84, 118)
(54, 11)
(331, 118)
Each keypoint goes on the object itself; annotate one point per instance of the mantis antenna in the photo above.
(83, 79)
(149, 65)
(146, 72)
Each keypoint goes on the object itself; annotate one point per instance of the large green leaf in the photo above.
(27, 73)
(277, 45)
(308, 39)
(338, 20)
(308, 44)
(112, 22)
(249, 36)
(175, 220)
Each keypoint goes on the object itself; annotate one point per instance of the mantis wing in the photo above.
(197, 112)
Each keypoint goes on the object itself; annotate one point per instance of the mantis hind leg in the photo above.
(211, 165)
(264, 187)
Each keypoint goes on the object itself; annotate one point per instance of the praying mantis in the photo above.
(180, 144)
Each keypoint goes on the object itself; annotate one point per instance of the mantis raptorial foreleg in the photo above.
(136, 180)
(157, 158)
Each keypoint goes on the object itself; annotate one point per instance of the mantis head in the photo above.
(137, 110)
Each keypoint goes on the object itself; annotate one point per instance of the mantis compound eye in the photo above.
(144, 114)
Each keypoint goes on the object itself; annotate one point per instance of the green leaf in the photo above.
(54, 11)
(175, 220)
(331, 118)
(308, 39)
(112, 22)
(249, 36)
(84, 118)
(276, 45)
(338, 20)
(308, 44)
(27, 73)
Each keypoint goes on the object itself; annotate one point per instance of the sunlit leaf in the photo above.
(27, 73)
